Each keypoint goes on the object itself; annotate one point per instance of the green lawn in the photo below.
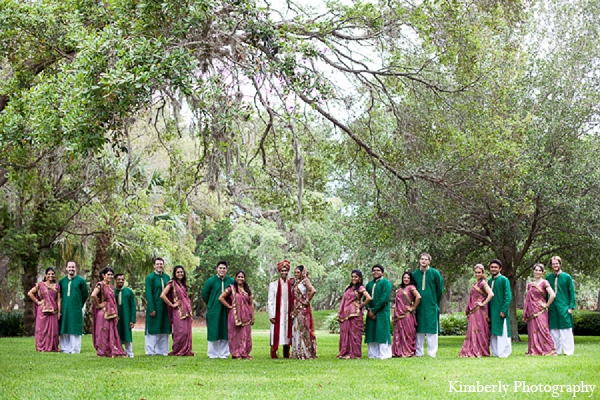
(25, 374)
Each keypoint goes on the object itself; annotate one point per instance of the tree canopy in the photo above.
(338, 135)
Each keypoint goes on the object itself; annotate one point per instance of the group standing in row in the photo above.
(416, 313)
(548, 311)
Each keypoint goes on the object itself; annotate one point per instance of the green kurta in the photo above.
(500, 303)
(378, 331)
(430, 286)
(73, 298)
(558, 312)
(216, 314)
(126, 306)
(160, 323)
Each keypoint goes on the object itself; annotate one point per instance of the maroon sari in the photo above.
(404, 339)
(46, 317)
(351, 323)
(181, 320)
(105, 334)
(535, 313)
(239, 322)
(477, 340)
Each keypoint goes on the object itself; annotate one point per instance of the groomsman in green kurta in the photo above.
(74, 292)
(216, 314)
(377, 328)
(499, 311)
(126, 309)
(560, 312)
(158, 326)
(430, 286)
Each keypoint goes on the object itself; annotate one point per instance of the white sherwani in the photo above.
(283, 326)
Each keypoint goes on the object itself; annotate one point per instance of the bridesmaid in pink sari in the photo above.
(238, 299)
(535, 313)
(105, 334)
(477, 340)
(46, 297)
(404, 339)
(175, 294)
(350, 317)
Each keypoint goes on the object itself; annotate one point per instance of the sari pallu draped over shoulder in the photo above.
(404, 339)
(46, 318)
(181, 319)
(105, 333)
(535, 313)
(351, 323)
(477, 340)
(239, 322)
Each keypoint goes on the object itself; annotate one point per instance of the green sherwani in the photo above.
(160, 323)
(430, 286)
(216, 314)
(378, 331)
(126, 306)
(500, 286)
(73, 294)
(558, 312)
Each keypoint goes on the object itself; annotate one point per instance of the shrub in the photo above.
(453, 324)
(585, 323)
(11, 324)
(331, 323)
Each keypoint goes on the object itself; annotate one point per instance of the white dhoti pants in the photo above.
(563, 341)
(380, 351)
(218, 349)
(157, 345)
(70, 344)
(501, 345)
(432, 344)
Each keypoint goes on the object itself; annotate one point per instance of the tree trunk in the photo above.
(520, 288)
(28, 280)
(598, 303)
(509, 270)
(98, 264)
(446, 304)
(4, 267)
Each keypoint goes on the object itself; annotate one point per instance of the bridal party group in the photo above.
(365, 311)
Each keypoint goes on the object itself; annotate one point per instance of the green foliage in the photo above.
(332, 323)
(453, 324)
(11, 323)
(586, 323)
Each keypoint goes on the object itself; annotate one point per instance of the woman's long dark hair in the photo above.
(184, 280)
(412, 280)
(246, 287)
(360, 275)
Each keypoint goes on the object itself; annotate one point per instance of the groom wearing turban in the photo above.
(280, 306)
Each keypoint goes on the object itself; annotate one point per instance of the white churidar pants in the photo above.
(380, 351)
(501, 345)
(157, 345)
(218, 349)
(70, 344)
(563, 341)
(432, 344)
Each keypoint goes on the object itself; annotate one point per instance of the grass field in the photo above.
(25, 374)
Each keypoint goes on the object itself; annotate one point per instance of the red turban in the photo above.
(283, 264)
